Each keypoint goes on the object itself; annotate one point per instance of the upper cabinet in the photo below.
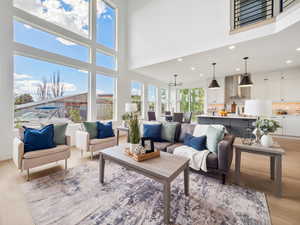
(290, 91)
(266, 87)
(277, 87)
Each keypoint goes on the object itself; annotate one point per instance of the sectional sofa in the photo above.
(217, 163)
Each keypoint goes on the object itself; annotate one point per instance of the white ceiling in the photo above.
(265, 54)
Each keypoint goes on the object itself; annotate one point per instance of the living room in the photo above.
(149, 112)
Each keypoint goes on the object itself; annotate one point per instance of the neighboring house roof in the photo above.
(72, 98)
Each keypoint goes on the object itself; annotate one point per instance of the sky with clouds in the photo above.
(72, 15)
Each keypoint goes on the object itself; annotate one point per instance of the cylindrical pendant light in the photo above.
(246, 79)
(214, 83)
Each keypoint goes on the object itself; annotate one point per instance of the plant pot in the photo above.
(266, 140)
(132, 147)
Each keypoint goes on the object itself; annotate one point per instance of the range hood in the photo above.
(233, 91)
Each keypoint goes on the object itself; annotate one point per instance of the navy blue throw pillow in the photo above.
(35, 139)
(105, 130)
(152, 131)
(198, 143)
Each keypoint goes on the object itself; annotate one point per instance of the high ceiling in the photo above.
(266, 54)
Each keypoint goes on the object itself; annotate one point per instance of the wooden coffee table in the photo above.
(163, 169)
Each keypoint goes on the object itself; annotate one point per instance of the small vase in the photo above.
(266, 140)
(132, 147)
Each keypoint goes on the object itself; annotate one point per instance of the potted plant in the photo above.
(125, 119)
(267, 126)
(134, 132)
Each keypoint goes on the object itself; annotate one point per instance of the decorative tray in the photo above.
(142, 157)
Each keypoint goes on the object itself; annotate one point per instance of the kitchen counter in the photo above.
(227, 117)
(240, 126)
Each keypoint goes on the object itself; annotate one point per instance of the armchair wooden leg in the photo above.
(27, 174)
(92, 155)
(66, 164)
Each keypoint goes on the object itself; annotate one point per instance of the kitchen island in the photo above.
(237, 125)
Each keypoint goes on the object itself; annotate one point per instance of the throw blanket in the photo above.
(197, 158)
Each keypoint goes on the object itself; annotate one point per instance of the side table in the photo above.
(274, 152)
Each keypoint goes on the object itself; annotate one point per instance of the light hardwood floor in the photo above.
(254, 174)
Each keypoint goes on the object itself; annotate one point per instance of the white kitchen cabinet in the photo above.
(290, 125)
(290, 88)
(266, 87)
(281, 121)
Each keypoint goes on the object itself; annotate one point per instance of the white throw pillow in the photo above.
(201, 129)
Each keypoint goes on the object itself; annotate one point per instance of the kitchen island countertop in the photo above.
(227, 117)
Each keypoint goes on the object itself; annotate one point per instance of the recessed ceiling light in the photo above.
(238, 69)
(193, 68)
(180, 59)
(288, 61)
(201, 74)
(298, 49)
(232, 47)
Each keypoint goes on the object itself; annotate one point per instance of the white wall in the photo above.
(161, 30)
(6, 79)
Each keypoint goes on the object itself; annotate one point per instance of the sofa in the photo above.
(217, 164)
(28, 160)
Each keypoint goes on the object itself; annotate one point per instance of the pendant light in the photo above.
(175, 83)
(214, 83)
(246, 79)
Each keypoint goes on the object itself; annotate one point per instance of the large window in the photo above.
(36, 38)
(47, 92)
(50, 88)
(106, 21)
(72, 15)
(105, 60)
(152, 91)
(164, 100)
(192, 100)
(105, 97)
(137, 95)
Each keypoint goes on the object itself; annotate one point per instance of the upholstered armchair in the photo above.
(85, 144)
(28, 160)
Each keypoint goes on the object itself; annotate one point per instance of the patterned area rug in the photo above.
(128, 198)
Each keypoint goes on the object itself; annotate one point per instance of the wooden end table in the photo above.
(275, 153)
(163, 169)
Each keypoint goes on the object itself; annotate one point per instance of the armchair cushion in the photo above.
(45, 152)
(101, 141)
(35, 139)
(104, 130)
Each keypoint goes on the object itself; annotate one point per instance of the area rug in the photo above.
(128, 198)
